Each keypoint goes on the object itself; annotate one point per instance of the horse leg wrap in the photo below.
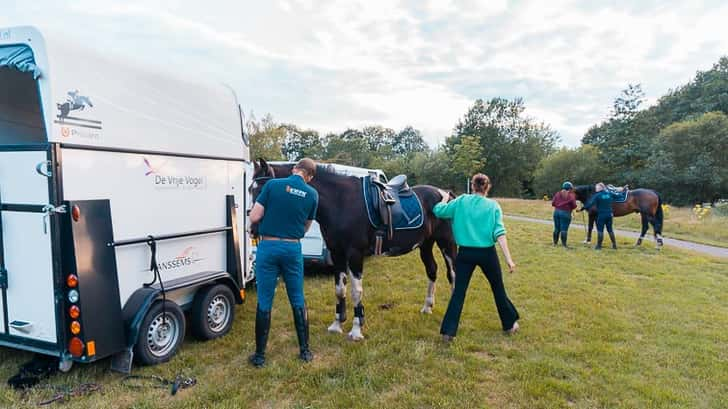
(359, 314)
(341, 310)
(378, 243)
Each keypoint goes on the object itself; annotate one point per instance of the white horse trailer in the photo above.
(120, 205)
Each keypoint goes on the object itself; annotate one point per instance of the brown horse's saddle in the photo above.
(620, 193)
(391, 206)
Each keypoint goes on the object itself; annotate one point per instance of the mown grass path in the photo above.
(632, 328)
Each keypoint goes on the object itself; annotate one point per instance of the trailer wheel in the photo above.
(213, 312)
(160, 335)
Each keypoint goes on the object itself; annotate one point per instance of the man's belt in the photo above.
(273, 238)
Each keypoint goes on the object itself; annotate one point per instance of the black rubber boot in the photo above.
(600, 240)
(613, 239)
(564, 237)
(300, 318)
(556, 238)
(262, 328)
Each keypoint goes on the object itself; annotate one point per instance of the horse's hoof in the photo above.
(335, 328)
(355, 335)
(426, 310)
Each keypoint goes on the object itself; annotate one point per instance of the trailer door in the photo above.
(28, 300)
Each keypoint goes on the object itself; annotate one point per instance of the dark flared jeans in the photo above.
(487, 259)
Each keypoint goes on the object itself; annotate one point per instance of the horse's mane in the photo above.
(324, 171)
(588, 189)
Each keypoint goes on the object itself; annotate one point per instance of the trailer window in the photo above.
(21, 119)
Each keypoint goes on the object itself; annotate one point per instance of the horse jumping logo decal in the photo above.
(75, 103)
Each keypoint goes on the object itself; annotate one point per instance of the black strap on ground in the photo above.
(154, 267)
(155, 381)
(63, 393)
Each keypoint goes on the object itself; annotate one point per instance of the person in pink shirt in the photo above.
(564, 202)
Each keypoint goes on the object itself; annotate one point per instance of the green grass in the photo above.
(680, 222)
(633, 328)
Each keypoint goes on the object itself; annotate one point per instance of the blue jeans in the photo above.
(604, 220)
(562, 220)
(274, 258)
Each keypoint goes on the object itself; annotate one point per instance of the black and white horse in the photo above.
(349, 236)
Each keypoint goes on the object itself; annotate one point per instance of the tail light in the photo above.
(75, 327)
(76, 347)
(76, 213)
(73, 296)
(74, 312)
(72, 281)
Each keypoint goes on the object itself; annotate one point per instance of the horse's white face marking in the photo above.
(429, 299)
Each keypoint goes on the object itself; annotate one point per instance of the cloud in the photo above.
(330, 65)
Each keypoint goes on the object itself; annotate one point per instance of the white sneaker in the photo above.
(513, 329)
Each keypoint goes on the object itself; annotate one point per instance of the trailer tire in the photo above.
(213, 312)
(160, 339)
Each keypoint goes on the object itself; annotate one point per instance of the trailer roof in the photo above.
(89, 99)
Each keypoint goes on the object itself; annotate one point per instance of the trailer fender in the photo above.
(136, 309)
(238, 293)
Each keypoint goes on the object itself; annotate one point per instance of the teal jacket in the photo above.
(476, 220)
(603, 200)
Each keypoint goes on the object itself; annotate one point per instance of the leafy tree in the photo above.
(580, 166)
(690, 163)
(468, 157)
(408, 141)
(349, 148)
(266, 138)
(299, 144)
(512, 144)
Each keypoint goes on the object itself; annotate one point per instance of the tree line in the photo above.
(677, 146)
(494, 137)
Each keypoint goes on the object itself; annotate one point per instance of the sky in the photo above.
(330, 65)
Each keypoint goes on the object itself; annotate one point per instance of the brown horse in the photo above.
(646, 202)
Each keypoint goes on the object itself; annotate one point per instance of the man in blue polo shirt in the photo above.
(284, 211)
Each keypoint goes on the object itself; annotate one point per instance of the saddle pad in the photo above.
(620, 197)
(407, 213)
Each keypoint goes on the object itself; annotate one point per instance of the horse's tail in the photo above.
(659, 215)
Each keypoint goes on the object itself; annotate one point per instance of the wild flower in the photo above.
(701, 211)
(666, 210)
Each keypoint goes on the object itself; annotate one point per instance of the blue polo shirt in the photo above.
(288, 203)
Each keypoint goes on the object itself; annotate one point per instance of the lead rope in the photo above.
(154, 267)
(148, 381)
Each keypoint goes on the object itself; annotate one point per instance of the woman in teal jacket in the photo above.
(477, 224)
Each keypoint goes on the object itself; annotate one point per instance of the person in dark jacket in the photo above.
(564, 202)
(603, 200)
